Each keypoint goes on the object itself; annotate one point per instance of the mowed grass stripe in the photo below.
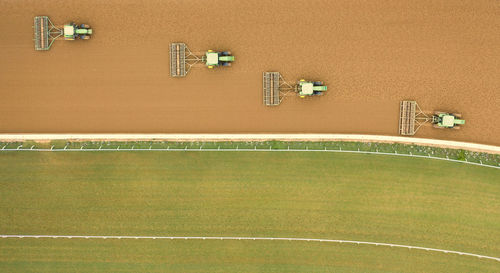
(313, 195)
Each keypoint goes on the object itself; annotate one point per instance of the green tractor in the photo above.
(213, 58)
(447, 120)
(310, 88)
(73, 31)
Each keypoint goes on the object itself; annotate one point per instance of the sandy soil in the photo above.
(371, 54)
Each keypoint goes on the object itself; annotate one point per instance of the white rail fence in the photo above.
(237, 149)
(251, 239)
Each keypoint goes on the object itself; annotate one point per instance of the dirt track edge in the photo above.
(256, 137)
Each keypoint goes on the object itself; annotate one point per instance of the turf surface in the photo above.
(377, 198)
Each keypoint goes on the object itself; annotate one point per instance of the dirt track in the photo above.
(444, 54)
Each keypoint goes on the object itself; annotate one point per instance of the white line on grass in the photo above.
(250, 238)
(252, 150)
(256, 137)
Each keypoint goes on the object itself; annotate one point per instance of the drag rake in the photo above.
(181, 59)
(45, 33)
(275, 88)
(411, 118)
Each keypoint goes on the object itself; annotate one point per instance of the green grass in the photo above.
(377, 198)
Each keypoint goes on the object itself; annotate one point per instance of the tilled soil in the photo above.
(371, 54)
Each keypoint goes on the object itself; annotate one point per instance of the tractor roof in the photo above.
(212, 58)
(448, 120)
(69, 30)
(307, 88)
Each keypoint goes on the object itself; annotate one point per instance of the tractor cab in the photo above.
(69, 32)
(212, 59)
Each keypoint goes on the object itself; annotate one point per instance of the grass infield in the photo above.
(378, 198)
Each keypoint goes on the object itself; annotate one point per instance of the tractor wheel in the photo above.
(225, 53)
(318, 83)
(85, 26)
(457, 115)
(84, 37)
(226, 64)
(456, 127)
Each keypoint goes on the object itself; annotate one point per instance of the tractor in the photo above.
(213, 58)
(310, 88)
(447, 120)
(73, 31)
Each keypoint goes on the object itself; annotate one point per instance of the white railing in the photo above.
(258, 137)
(251, 239)
(237, 149)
